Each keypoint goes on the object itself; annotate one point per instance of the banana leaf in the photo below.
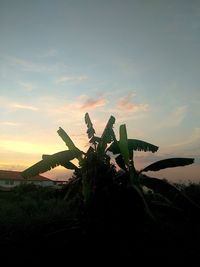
(134, 144)
(90, 130)
(68, 165)
(168, 163)
(51, 161)
(123, 144)
(65, 137)
(108, 135)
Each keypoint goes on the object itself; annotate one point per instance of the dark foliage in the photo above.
(116, 226)
(110, 214)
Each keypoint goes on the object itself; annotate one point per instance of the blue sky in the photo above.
(136, 60)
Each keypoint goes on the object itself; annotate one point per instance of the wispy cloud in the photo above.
(9, 123)
(126, 104)
(26, 146)
(174, 118)
(21, 106)
(77, 106)
(72, 78)
(26, 65)
(8, 104)
(191, 140)
(92, 103)
(12, 167)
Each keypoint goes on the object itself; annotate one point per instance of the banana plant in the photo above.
(95, 164)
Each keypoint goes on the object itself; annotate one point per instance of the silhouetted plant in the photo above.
(96, 174)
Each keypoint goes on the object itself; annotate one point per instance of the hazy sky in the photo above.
(137, 60)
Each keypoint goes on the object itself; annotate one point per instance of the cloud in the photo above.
(61, 111)
(72, 78)
(82, 103)
(8, 104)
(174, 118)
(27, 147)
(12, 167)
(193, 139)
(91, 103)
(21, 106)
(29, 66)
(10, 123)
(196, 135)
(71, 114)
(125, 104)
(21, 64)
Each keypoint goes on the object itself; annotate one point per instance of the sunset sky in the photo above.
(136, 60)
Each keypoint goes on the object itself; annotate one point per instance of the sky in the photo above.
(136, 60)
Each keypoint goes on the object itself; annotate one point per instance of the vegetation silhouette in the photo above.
(108, 207)
(96, 174)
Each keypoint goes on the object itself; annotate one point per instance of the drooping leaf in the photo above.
(168, 163)
(139, 145)
(134, 144)
(51, 161)
(65, 137)
(90, 130)
(68, 164)
(172, 193)
(156, 184)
